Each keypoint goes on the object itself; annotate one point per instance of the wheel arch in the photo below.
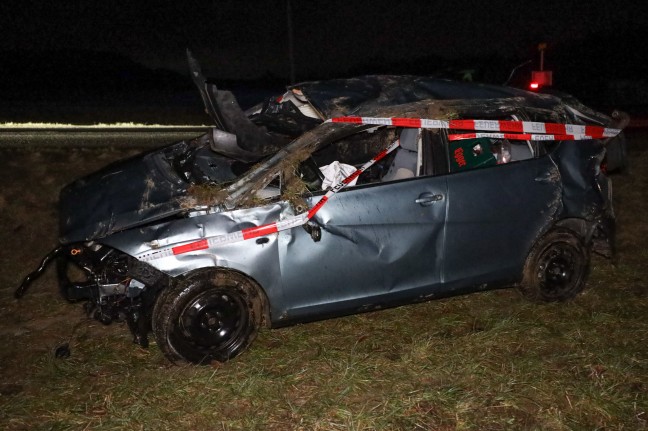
(584, 229)
(265, 301)
(539, 282)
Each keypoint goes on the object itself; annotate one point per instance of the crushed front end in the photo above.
(128, 194)
(115, 286)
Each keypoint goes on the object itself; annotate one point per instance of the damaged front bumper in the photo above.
(117, 287)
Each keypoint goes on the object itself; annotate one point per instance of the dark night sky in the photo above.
(242, 40)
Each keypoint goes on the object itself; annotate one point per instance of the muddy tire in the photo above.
(557, 267)
(208, 315)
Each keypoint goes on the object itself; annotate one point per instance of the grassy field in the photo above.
(487, 361)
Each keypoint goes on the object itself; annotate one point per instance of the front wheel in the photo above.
(209, 315)
(556, 268)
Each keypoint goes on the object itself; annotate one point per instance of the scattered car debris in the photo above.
(62, 351)
(432, 188)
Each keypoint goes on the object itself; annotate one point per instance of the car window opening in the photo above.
(336, 161)
(486, 152)
(465, 154)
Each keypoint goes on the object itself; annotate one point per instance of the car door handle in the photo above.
(426, 199)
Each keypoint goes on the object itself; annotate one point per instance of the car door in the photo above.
(496, 210)
(380, 243)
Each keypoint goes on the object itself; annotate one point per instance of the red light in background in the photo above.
(534, 86)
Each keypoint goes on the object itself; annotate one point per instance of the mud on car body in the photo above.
(187, 241)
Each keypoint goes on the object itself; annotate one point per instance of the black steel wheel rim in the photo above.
(559, 268)
(214, 321)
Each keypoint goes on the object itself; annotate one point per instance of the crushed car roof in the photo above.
(354, 96)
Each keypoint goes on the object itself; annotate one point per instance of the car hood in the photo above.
(137, 191)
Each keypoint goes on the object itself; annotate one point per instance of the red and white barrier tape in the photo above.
(266, 229)
(531, 127)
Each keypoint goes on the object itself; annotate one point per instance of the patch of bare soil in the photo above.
(31, 180)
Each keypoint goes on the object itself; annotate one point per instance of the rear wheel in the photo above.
(556, 268)
(209, 315)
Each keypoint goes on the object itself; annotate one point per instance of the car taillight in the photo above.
(534, 86)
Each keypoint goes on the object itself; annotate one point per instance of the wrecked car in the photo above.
(338, 197)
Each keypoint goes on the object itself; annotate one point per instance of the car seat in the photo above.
(404, 163)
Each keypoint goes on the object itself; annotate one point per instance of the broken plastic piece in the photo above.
(336, 172)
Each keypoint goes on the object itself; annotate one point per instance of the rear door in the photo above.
(501, 196)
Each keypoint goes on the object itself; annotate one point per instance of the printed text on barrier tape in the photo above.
(532, 127)
(266, 229)
(519, 137)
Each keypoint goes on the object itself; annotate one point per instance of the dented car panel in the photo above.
(118, 197)
(436, 217)
(583, 194)
(140, 190)
(258, 259)
(395, 246)
(488, 235)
